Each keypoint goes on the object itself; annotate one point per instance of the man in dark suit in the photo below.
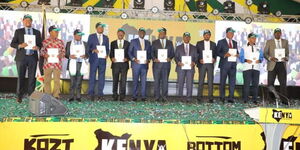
(275, 67)
(227, 68)
(139, 69)
(26, 59)
(186, 75)
(161, 70)
(96, 63)
(76, 75)
(206, 66)
(119, 68)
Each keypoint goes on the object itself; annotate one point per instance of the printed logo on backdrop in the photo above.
(48, 142)
(220, 143)
(279, 115)
(289, 143)
(108, 141)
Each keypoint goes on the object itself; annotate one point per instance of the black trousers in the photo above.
(76, 82)
(280, 72)
(29, 63)
(251, 77)
(119, 72)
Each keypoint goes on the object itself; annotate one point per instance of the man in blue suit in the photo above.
(161, 70)
(96, 63)
(227, 68)
(139, 69)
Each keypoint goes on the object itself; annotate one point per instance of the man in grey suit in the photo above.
(206, 66)
(275, 67)
(161, 70)
(185, 75)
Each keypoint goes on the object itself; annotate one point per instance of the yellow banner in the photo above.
(128, 136)
(279, 115)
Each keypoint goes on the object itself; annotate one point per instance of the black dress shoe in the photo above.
(230, 101)
(164, 99)
(71, 99)
(199, 99)
(134, 99)
(211, 100)
(78, 99)
(100, 98)
(122, 98)
(222, 100)
(144, 99)
(19, 100)
(92, 98)
(115, 97)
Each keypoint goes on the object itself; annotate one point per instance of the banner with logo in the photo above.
(279, 115)
(128, 136)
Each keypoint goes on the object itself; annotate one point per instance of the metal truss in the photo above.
(156, 15)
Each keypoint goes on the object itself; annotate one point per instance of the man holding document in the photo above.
(119, 57)
(98, 46)
(277, 53)
(251, 56)
(77, 53)
(162, 55)
(27, 41)
(186, 56)
(227, 50)
(207, 51)
(53, 51)
(140, 55)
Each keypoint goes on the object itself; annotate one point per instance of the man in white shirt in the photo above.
(205, 66)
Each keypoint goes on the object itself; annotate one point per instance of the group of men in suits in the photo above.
(186, 55)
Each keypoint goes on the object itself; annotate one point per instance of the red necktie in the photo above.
(230, 45)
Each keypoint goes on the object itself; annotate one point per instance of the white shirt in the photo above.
(276, 43)
(122, 43)
(101, 38)
(163, 42)
(206, 45)
(228, 41)
(187, 45)
(142, 42)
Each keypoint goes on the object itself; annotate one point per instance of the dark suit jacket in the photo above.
(19, 39)
(134, 47)
(113, 46)
(223, 48)
(67, 54)
(157, 45)
(200, 47)
(180, 52)
(92, 44)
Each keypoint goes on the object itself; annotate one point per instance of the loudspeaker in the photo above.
(42, 104)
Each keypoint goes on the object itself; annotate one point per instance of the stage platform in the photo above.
(149, 125)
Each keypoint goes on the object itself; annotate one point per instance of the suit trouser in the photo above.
(28, 63)
(76, 82)
(99, 65)
(230, 71)
(279, 71)
(206, 69)
(119, 72)
(139, 74)
(251, 77)
(47, 81)
(161, 79)
(187, 77)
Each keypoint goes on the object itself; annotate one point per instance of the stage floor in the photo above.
(173, 111)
